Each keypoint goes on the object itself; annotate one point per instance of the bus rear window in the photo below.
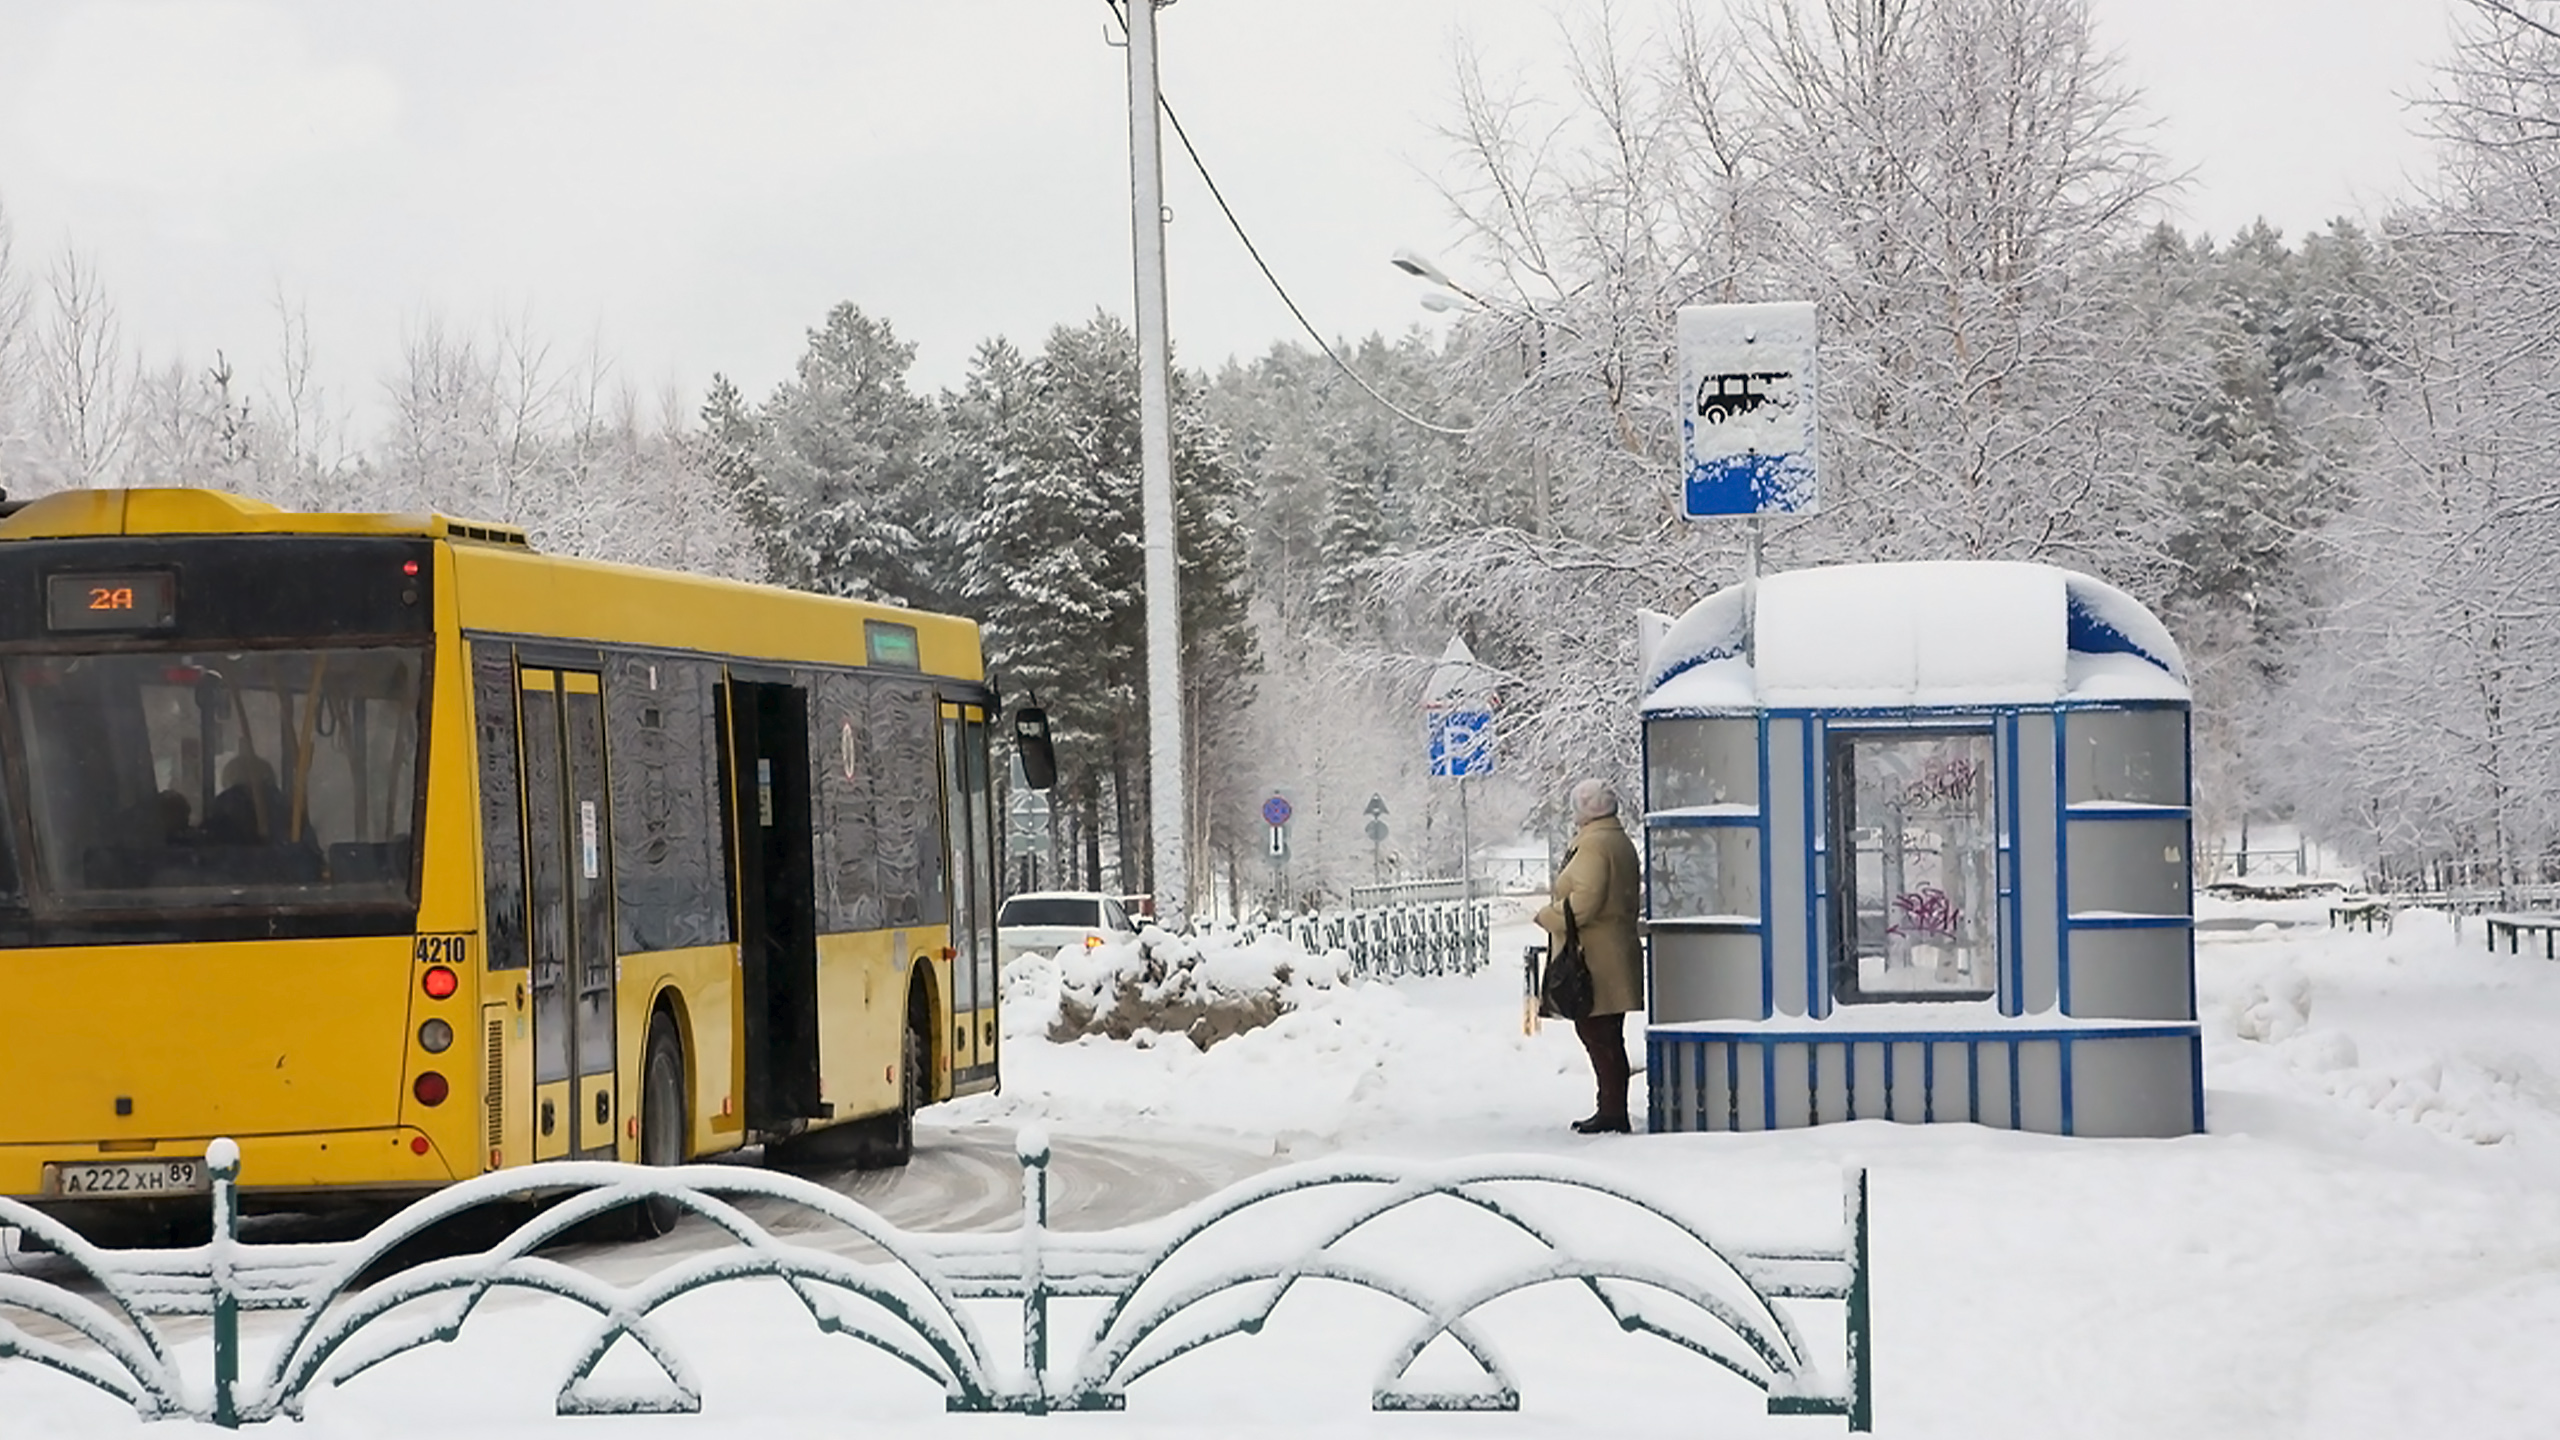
(1049, 910)
(173, 781)
(11, 895)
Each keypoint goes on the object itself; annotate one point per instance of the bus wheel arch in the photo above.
(924, 1017)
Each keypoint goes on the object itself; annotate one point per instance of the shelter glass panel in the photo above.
(1915, 866)
(1701, 762)
(1701, 870)
(2125, 757)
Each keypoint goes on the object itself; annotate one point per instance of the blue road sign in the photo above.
(1276, 813)
(1461, 744)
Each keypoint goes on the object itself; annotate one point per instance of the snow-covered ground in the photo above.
(2367, 1244)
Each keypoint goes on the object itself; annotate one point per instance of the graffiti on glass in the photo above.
(1946, 780)
(1926, 911)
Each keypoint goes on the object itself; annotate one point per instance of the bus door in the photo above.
(966, 798)
(568, 893)
(766, 780)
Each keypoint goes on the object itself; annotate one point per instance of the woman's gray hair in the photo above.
(1592, 800)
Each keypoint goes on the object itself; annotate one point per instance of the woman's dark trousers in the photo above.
(1605, 1036)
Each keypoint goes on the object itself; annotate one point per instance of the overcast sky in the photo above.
(690, 184)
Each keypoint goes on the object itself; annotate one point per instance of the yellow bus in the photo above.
(400, 853)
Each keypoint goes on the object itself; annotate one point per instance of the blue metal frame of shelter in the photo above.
(1814, 730)
(1683, 1094)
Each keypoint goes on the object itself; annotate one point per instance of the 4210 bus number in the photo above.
(442, 949)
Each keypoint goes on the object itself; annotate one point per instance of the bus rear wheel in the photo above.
(661, 1122)
(890, 1140)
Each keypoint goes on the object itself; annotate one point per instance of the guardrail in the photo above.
(1452, 937)
(1441, 938)
(1217, 1268)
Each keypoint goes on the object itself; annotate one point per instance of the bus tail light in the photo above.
(431, 1088)
(435, 1037)
(439, 983)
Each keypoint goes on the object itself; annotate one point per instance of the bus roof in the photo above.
(70, 514)
(506, 587)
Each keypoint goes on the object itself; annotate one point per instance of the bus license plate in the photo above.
(115, 1178)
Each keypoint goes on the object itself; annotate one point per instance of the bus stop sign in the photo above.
(1747, 410)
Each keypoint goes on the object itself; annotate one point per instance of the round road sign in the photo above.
(1276, 811)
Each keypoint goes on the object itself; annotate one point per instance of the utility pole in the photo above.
(1169, 797)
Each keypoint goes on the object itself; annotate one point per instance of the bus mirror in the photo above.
(1031, 746)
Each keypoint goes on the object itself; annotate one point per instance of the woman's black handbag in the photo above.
(1565, 990)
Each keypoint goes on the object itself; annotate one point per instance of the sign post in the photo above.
(1275, 813)
(1459, 706)
(1377, 812)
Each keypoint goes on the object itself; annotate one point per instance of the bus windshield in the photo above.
(182, 780)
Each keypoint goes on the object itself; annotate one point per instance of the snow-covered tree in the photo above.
(2422, 707)
(17, 348)
(84, 379)
(842, 478)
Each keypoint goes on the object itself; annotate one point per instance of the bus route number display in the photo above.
(142, 600)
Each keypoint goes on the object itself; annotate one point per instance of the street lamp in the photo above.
(1414, 263)
(1452, 296)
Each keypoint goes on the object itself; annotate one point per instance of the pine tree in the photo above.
(729, 446)
(843, 454)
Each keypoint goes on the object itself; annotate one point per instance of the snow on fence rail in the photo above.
(1216, 1268)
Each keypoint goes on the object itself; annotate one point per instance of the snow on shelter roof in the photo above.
(1934, 633)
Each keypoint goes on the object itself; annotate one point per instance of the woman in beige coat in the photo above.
(1599, 879)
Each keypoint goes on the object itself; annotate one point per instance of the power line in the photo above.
(1264, 266)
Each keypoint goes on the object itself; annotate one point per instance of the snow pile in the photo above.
(1440, 1064)
(1205, 990)
(2469, 1092)
(1928, 632)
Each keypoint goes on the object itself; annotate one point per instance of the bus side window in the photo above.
(670, 887)
(845, 773)
(908, 802)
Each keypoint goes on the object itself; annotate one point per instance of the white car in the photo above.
(1050, 920)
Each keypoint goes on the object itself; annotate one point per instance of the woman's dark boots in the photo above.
(1604, 1038)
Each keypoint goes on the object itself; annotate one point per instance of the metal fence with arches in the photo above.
(1217, 1268)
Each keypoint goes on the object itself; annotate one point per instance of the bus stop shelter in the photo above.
(1917, 843)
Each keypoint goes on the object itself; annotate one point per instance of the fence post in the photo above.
(1862, 1406)
(222, 1157)
(1032, 1147)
